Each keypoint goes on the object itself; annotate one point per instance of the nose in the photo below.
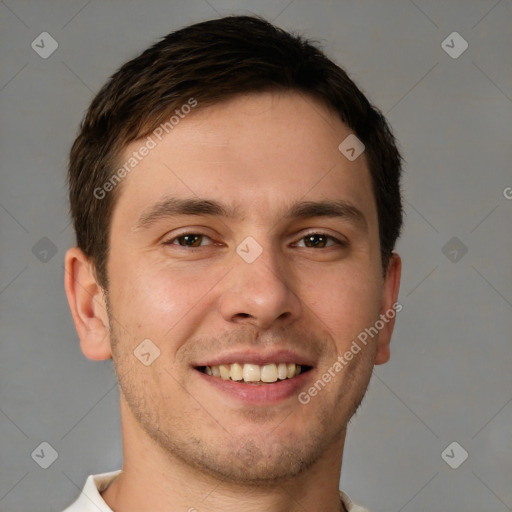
(260, 293)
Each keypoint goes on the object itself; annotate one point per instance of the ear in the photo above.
(87, 304)
(389, 308)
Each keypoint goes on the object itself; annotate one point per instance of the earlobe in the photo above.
(390, 307)
(87, 304)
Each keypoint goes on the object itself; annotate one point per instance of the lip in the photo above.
(257, 357)
(257, 394)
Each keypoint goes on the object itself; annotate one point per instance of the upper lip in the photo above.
(258, 357)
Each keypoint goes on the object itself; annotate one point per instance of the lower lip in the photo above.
(258, 394)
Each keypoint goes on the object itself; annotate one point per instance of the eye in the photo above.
(319, 241)
(189, 240)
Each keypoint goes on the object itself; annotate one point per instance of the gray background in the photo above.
(450, 375)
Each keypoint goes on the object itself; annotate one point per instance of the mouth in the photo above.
(249, 373)
(256, 377)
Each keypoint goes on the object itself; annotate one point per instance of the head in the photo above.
(216, 217)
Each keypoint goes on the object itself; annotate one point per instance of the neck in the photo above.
(154, 480)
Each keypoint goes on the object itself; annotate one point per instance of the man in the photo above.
(236, 202)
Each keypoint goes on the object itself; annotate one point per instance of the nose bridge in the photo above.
(267, 269)
(258, 291)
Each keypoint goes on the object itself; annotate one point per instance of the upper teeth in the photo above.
(254, 372)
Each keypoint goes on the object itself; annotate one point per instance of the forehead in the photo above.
(253, 153)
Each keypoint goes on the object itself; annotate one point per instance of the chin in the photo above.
(250, 466)
(256, 461)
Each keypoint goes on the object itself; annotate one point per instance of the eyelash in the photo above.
(336, 241)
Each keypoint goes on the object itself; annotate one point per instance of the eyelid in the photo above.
(338, 239)
(169, 238)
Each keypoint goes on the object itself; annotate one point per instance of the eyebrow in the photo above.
(172, 207)
(329, 208)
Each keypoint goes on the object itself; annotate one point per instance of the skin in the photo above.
(187, 444)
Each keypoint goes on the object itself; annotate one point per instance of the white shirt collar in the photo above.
(90, 499)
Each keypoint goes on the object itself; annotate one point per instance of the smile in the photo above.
(253, 373)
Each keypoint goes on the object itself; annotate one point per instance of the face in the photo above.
(243, 244)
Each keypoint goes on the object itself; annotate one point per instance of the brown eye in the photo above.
(315, 241)
(188, 240)
(320, 240)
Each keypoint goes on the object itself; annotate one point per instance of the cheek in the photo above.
(158, 301)
(345, 301)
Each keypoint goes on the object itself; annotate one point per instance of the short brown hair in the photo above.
(210, 62)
